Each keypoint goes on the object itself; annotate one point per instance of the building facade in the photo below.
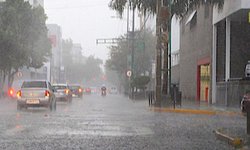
(195, 54)
(57, 70)
(214, 50)
(76, 53)
(231, 52)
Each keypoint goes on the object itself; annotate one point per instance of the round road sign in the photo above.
(129, 73)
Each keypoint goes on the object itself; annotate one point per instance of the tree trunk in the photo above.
(2, 82)
(158, 57)
(165, 68)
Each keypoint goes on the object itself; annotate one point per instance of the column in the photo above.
(214, 64)
(228, 42)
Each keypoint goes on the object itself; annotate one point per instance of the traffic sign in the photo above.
(129, 73)
(19, 74)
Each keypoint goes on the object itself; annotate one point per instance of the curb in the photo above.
(194, 111)
(186, 111)
(236, 142)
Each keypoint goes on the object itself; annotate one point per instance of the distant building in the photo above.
(77, 53)
(57, 70)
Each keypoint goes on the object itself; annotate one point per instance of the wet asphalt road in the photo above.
(109, 123)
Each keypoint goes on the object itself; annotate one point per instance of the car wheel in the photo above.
(69, 100)
(55, 105)
(51, 106)
(19, 107)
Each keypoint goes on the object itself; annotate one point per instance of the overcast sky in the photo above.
(84, 21)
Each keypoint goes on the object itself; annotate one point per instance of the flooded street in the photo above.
(111, 122)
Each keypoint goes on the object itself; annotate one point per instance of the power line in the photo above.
(76, 7)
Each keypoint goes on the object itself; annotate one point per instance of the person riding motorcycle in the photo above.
(104, 89)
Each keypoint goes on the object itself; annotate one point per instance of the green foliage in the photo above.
(120, 56)
(140, 82)
(178, 7)
(142, 5)
(23, 36)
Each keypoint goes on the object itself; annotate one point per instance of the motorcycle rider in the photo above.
(103, 89)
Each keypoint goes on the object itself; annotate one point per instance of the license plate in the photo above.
(73, 95)
(32, 101)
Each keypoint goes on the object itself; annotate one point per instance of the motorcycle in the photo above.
(104, 93)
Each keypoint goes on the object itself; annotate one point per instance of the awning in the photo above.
(191, 17)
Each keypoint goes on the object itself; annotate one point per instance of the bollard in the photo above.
(150, 98)
(247, 104)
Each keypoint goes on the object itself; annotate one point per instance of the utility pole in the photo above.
(158, 55)
(132, 51)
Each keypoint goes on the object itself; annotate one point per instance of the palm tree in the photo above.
(163, 23)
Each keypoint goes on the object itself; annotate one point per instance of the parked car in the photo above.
(113, 90)
(87, 90)
(36, 94)
(12, 91)
(62, 92)
(247, 70)
(245, 99)
(77, 90)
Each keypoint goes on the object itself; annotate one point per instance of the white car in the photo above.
(113, 90)
(36, 94)
(247, 70)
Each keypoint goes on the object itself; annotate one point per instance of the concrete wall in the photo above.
(196, 43)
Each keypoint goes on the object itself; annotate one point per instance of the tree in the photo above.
(171, 7)
(23, 38)
(120, 56)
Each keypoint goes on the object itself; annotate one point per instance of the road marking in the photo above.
(99, 130)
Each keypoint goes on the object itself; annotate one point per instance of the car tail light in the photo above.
(67, 91)
(80, 90)
(19, 94)
(11, 92)
(47, 94)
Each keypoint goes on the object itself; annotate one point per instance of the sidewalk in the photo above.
(195, 107)
(235, 136)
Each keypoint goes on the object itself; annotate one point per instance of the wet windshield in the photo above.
(74, 87)
(124, 74)
(57, 87)
(34, 84)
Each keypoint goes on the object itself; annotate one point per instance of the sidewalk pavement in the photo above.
(195, 107)
(235, 136)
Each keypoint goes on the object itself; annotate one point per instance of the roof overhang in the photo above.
(191, 16)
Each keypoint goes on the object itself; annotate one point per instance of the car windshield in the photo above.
(34, 84)
(74, 87)
(125, 74)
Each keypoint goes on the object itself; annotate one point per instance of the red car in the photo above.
(77, 90)
(87, 90)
